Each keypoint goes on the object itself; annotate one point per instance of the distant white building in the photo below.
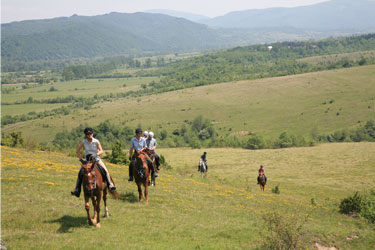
(269, 48)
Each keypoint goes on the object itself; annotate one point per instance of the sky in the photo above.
(18, 10)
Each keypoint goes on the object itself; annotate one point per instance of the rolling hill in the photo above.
(105, 35)
(296, 104)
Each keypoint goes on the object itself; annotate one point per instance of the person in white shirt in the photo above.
(93, 148)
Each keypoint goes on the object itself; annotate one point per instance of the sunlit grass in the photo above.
(185, 211)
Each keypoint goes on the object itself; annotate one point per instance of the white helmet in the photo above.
(145, 133)
(151, 134)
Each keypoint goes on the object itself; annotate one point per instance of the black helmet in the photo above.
(88, 131)
(138, 130)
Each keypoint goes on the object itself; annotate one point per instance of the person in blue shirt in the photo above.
(137, 145)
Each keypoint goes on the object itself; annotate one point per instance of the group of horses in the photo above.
(95, 187)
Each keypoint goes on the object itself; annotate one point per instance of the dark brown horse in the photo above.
(262, 182)
(95, 188)
(141, 174)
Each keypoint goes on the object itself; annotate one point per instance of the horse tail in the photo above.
(115, 195)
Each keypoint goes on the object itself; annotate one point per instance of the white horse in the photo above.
(202, 168)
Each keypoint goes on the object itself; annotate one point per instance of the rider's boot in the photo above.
(77, 190)
(157, 161)
(130, 172)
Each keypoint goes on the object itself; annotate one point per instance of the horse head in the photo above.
(89, 175)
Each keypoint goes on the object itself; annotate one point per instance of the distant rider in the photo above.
(261, 172)
(204, 159)
(93, 148)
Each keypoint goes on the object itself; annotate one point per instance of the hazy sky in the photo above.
(17, 10)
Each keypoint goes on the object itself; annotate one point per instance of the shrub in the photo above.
(14, 139)
(276, 190)
(351, 204)
(363, 205)
(118, 155)
(164, 164)
(284, 233)
(255, 142)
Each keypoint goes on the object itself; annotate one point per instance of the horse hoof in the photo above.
(106, 215)
(98, 225)
(91, 223)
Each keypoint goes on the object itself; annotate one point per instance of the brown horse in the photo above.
(94, 187)
(141, 174)
(262, 182)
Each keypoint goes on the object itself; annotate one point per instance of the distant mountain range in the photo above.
(122, 33)
(354, 15)
(189, 16)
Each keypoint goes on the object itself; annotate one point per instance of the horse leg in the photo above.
(87, 207)
(139, 192)
(94, 218)
(146, 190)
(106, 215)
(99, 198)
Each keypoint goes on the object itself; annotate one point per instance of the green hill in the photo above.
(224, 210)
(323, 101)
(105, 35)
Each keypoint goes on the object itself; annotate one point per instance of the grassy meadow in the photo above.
(225, 210)
(324, 101)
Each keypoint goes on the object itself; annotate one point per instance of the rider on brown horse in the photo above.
(138, 146)
(261, 172)
(93, 148)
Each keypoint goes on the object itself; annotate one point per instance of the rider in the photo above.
(145, 134)
(151, 145)
(92, 148)
(261, 172)
(203, 157)
(137, 144)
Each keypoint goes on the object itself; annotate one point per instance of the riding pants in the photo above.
(110, 183)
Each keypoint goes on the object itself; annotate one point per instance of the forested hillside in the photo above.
(260, 61)
(105, 35)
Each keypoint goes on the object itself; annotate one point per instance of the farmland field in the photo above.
(324, 101)
(223, 211)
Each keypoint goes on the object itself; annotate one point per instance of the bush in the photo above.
(284, 233)
(276, 190)
(255, 142)
(351, 204)
(14, 139)
(118, 155)
(363, 205)
(164, 164)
